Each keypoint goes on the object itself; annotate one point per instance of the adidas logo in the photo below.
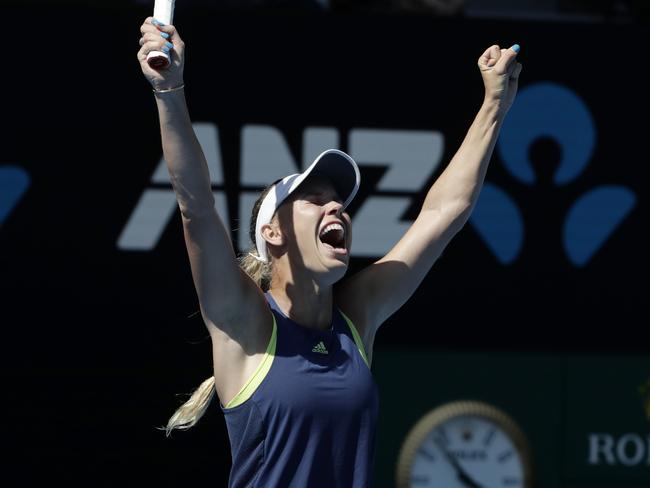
(320, 348)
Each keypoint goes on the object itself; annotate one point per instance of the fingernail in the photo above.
(156, 22)
(169, 45)
(515, 48)
(165, 35)
(165, 49)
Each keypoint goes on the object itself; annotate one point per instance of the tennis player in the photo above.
(291, 353)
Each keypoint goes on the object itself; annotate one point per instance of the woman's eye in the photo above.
(320, 199)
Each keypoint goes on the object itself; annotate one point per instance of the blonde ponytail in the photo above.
(193, 409)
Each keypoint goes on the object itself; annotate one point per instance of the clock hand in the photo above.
(460, 472)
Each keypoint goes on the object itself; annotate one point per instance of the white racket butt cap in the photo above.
(158, 60)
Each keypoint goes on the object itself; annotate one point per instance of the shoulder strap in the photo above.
(356, 336)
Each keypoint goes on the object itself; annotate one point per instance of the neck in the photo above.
(303, 301)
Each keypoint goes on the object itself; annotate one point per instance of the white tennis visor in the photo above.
(333, 165)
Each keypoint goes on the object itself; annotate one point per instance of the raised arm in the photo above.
(376, 292)
(232, 306)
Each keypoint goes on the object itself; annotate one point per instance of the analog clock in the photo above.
(465, 444)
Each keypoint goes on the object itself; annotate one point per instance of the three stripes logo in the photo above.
(320, 348)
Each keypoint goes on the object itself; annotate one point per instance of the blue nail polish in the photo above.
(156, 22)
(165, 49)
(515, 48)
(169, 45)
(165, 35)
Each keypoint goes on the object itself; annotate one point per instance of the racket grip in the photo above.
(163, 11)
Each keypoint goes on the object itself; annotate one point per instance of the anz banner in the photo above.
(410, 159)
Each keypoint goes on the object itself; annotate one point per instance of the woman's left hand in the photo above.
(500, 72)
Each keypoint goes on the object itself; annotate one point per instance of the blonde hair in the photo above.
(189, 413)
(193, 409)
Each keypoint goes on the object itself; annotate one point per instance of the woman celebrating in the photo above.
(291, 354)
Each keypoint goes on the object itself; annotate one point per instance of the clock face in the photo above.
(467, 451)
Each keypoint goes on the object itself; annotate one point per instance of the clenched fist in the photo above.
(500, 72)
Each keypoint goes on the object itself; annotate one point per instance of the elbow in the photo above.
(194, 208)
(455, 217)
(457, 214)
(192, 215)
(447, 220)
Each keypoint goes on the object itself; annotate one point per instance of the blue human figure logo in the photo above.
(550, 111)
(14, 182)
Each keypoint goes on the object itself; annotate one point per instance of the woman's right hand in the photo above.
(155, 37)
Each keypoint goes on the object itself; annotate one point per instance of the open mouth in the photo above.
(333, 236)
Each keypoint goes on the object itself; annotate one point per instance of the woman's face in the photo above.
(318, 233)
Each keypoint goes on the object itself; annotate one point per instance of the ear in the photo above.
(272, 234)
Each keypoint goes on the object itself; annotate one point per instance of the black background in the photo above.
(98, 342)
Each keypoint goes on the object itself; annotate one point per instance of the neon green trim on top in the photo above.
(260, 373)
(357, 338)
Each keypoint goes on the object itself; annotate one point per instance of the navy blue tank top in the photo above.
(307, 417)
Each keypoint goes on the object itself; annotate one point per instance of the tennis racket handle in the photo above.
(163, 11)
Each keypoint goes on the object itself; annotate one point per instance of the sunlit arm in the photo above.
(186, 163)
(452, 197)
(446, 208)
(382, 288)
(222, 287)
